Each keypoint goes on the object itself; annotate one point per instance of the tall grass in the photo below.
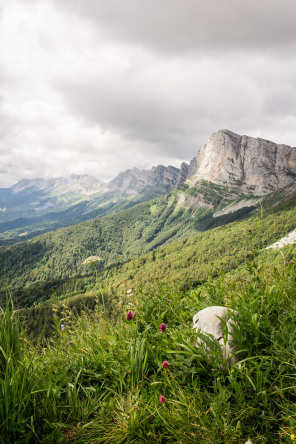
(102, 381)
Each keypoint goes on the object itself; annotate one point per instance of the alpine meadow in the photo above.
(98, 296)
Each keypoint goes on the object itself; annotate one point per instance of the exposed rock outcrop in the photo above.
(255, 166)
(134, 179)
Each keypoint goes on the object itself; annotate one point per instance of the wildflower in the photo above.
(69, 343)
(292, 437)
(165, 364)
(63, 326)
(162, 399)
(91, 260)
(129, 315)
(162, 328)
(100, 337)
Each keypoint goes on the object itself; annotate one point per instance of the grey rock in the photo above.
(183, 174)
(134, 180)
(192, 169)
(208, 322)
(254, 166)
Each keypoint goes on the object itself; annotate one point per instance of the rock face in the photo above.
(208, 321)
(256, 166)
(134, 179)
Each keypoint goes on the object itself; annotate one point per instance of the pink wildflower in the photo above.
(165, 364)
(129, 315)
(162, 328)
(162, 399)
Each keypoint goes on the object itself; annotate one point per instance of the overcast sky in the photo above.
(99, 86)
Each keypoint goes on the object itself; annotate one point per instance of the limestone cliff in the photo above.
(254, 166)
(134, 180)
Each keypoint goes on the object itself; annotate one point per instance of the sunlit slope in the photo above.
(126, 235)
(192, 261)
(187, 265)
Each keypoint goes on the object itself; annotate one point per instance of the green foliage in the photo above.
(187, 262)
(54, 260)
(99, 380)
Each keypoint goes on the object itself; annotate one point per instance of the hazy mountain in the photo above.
(76, 184)
(37, 205)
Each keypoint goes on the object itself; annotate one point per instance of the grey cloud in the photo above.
(172, 107)
(282, 103)
(178, 26)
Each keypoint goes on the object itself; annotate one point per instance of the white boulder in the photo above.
(217, 322)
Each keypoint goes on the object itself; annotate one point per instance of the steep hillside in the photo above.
(32, 207)
(32, 268)
(192, 260)
(189, 264)
(129, 370)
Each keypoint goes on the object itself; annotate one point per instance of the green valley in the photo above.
(118, 238)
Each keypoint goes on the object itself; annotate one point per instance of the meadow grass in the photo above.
(126, 379)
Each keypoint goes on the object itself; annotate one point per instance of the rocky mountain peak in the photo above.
(134, 180)
(255, 166)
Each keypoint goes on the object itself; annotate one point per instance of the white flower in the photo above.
(91, 260)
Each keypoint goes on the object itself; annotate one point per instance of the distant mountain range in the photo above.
(33, 206)
(139, 212)
(243, 166)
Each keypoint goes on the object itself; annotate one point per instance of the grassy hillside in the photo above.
(185, 263)
(52, 263)
(129, 233)
(64, 210)
(101, 379)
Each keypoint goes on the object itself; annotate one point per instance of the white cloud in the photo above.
(98, 87)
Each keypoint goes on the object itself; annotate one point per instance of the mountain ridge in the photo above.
(212, 164)
(253, 165)
(243, 166)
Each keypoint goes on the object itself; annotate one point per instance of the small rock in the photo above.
(209, 321)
